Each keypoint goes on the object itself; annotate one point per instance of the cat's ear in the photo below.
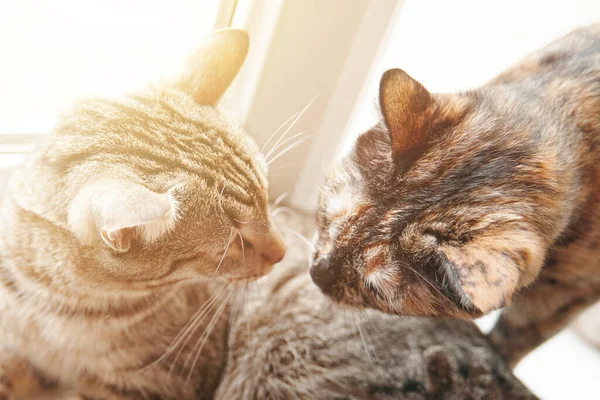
(118, 212)
(485, 273)
(213, 66)
(406, 107)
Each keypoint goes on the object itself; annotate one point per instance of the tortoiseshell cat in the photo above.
(123, 238)
(459, 204)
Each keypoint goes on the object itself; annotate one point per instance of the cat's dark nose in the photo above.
(323, 273)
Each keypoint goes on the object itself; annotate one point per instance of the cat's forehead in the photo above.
(343, 192)
(158, 132)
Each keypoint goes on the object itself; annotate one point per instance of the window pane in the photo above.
(54, 51)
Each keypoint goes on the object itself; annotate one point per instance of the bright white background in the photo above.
(54, 51)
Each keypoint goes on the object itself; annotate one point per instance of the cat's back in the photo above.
(558, 87)
(574, 57)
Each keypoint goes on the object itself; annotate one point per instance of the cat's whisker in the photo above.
(284, 134)
(243, 251)
(303, 238)
(279, 199)
(184, 331)
(196, 325)
(225, 252)
(284, 166)
(363, 340)
(423, 277)
(350, 282)
(277, 131)
(289, 139)
(288, 148)
(362, 315)
(368, 320)
(206, 334)
(281, 209)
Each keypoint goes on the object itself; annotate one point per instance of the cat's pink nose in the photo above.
(274, 250)
(265, 241)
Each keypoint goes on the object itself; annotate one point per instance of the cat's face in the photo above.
(161, 187)
(439, 210)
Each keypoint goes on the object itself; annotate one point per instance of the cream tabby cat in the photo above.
(128, 199)
(122, 237)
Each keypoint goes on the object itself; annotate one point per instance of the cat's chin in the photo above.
(246, 279)
(339, 297)
(402, 308)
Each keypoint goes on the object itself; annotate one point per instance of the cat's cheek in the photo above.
(236, 268)
(249, 276)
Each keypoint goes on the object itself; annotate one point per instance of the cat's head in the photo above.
(159, 187)
(444, 208)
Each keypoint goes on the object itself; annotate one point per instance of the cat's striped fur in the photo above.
(107, 224)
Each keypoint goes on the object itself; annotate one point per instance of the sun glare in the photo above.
(54, 51)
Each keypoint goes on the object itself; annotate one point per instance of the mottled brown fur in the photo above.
(489, 199)
(316, 349)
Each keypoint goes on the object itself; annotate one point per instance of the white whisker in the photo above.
(363, 341)
(289, 139)
(288, 129)
(303, 238)
(242, 240)
(225, 252)
(206, 334)
(422, 277)
(288, 148)
(279, 199)
(364, 317)
(188, 330)
(197, 323)
(281, 209)
(277, 130)
(284, 166)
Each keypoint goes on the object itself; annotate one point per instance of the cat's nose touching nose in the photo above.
(323, 273)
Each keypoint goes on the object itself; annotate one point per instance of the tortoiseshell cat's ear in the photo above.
(485, 273)
(406, 107)
(212, 67)
(117, 212)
